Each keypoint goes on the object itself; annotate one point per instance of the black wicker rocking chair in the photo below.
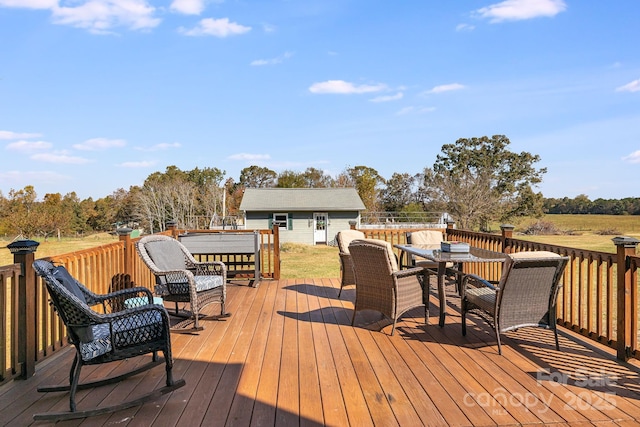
(128, 325)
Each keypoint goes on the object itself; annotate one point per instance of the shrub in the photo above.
(609, 232)
(542, 227)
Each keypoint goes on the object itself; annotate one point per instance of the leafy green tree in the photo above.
(398, 192)
(315, 178)
(479, 180)
(54, 217)
(257, 177)
(367, 182)
(291, 179)
(22, 214)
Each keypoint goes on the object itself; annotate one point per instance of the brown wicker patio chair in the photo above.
(525, 295)
(343, 238)
(106, 335)
(181, 279)
(380, 285)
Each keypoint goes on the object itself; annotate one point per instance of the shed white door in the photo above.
(320, 227)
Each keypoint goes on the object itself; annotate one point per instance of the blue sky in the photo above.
(96, 95)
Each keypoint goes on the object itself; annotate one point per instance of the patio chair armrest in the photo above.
(121, 294)
(408, 272)
(477, 281)
(112, 317)
(208, 268)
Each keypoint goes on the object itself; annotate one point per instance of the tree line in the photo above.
(475, 180)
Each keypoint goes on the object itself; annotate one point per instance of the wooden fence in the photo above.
(599, 298)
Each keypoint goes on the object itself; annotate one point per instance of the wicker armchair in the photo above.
(113, 333)
(343, 238)
(380, 285)
(182, 279)
(525, 295)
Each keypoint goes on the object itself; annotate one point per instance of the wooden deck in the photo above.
(288, 356)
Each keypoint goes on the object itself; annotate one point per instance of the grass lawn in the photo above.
(591, 232)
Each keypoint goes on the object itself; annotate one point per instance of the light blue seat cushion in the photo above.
(137, 301)
(131, 330)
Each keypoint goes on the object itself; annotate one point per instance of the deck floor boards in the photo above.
(288, 355)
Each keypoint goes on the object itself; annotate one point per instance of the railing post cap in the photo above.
(625, 241)
(124, 231)
(171, 223)
(507, 227)
(21, 247)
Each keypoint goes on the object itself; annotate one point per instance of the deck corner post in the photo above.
(124, 235)
(507, 233)
(276, 253)
(24, 254)
(172, 226)
(626, 246)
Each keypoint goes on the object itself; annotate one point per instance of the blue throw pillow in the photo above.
(62, 275)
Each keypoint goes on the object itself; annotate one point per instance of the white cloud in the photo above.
(29, 145)
(60, 158)
(272, 61)
(216, 27)
(188, 7)
(415, 110)
(29, 4)
(268, 28)
(29, 177)
(633, 86)
(342, 87)
(5, 134)
(161, 146)
(516, 10)
(446, 88)
(100, 16)
(248, 156)
(633, 157)
(140, 164)
(465, 27)
(96, 144)
(388, 98)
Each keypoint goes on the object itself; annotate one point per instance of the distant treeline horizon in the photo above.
(583, 205)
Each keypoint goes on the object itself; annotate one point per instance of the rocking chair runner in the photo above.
(116, 334)
(180, 278)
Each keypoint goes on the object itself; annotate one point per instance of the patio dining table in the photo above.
(435, 254)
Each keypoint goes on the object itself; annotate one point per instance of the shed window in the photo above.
(281, 220)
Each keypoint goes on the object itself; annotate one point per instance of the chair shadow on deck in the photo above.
(579, 363)
(323, 291)
(211, 385)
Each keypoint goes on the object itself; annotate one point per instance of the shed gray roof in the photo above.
(301, 199)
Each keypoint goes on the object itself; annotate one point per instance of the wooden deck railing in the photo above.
(102, 269)
(599, 298)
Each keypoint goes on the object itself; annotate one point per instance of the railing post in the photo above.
(352, 224)
(173, 227)
(276, 253)
(507, 233)
(23, 253)
(124, 235)
(450, 226)
(626, 246)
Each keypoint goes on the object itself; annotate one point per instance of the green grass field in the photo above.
(305, 261)
(591, 232)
